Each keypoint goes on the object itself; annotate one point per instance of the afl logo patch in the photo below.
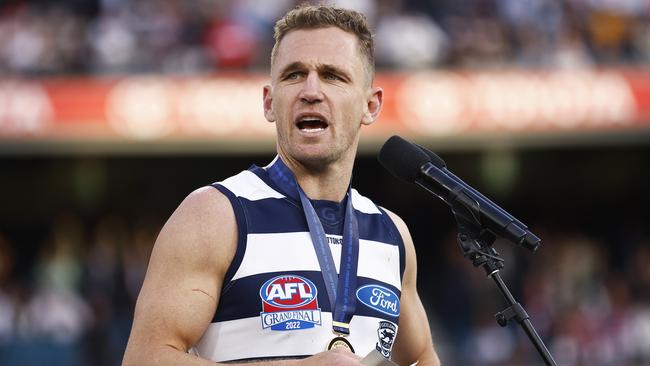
(379, 298)
(289, 303)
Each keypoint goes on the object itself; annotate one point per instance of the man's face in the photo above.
(320, 95)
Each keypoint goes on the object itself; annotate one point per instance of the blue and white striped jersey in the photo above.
(273, 303)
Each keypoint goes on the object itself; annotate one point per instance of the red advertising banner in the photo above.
(433, 104)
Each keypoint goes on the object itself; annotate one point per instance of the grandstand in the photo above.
(112, 111)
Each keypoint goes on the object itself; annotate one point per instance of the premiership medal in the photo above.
(341, 287)
(340, 342)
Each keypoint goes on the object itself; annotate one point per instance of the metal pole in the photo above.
(524, 320)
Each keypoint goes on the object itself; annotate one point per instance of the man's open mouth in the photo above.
(311, 124)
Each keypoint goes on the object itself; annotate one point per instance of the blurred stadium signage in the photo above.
(228, 109)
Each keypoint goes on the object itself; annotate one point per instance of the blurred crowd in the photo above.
(68, 299)
(72, 303)
(45, 37)
(588, 298)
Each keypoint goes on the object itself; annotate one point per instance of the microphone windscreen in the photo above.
(402, 158)
(433, 158)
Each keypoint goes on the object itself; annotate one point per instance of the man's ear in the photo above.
(267, 102)
(373, 107)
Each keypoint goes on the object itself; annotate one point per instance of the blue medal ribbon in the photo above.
(340, 288)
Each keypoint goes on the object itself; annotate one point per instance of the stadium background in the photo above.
(111, 111)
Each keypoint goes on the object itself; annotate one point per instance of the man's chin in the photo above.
(315, 159)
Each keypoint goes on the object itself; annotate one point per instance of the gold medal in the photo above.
(340, 342)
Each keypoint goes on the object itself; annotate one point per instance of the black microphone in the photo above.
(418, 165)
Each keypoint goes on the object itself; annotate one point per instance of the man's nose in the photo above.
(311, 91)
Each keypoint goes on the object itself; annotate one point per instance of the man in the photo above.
(247, 272)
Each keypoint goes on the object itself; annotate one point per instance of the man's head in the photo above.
(313, 17)
(321, 89)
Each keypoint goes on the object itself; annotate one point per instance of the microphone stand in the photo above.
(476, 243)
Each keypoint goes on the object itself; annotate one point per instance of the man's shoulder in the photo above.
(364, 204)
(397, 221)
(203, 199)
(201, 206)
(248, 184)
(395, 217)
(204, 222)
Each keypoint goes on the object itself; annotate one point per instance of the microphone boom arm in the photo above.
(480, 221)
(476, 241)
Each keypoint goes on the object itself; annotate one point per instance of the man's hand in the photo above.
(334, 357)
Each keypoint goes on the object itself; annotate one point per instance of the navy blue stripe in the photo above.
(291, 196)
(397, 236)
(242, 298)
(375, 227)
(273, 215)
(266, 217)
(241, 229)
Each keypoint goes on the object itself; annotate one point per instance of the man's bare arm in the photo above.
(413, 342)
(184, 279)
(181, 288)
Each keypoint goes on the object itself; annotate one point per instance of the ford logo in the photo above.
(379, 298)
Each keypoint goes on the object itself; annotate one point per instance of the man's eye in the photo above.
(331, 76)
(292, 75)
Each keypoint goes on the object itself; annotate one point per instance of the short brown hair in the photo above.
(321, 16)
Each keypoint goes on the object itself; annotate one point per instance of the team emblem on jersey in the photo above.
(386, 334)
(379, 298)
(289, 303)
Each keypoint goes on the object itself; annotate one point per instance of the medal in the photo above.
(341, 287)
(340, 342)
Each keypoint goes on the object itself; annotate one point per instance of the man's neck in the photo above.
(327, 182)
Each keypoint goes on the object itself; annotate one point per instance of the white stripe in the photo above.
(272, 162)
(285, 252)
(248, 185)
(380, 261)
(363, 204)
(245, 338)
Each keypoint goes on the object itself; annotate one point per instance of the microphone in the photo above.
(418, 165)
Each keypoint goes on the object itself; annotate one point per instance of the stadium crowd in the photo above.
(200, 36)
(589, 298)
(67, 298)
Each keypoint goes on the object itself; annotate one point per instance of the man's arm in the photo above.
(413, 343)
(181, 290)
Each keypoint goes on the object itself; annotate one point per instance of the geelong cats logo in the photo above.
(289, 303)
(386, 334)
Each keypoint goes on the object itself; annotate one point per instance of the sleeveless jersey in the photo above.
(274, 302)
